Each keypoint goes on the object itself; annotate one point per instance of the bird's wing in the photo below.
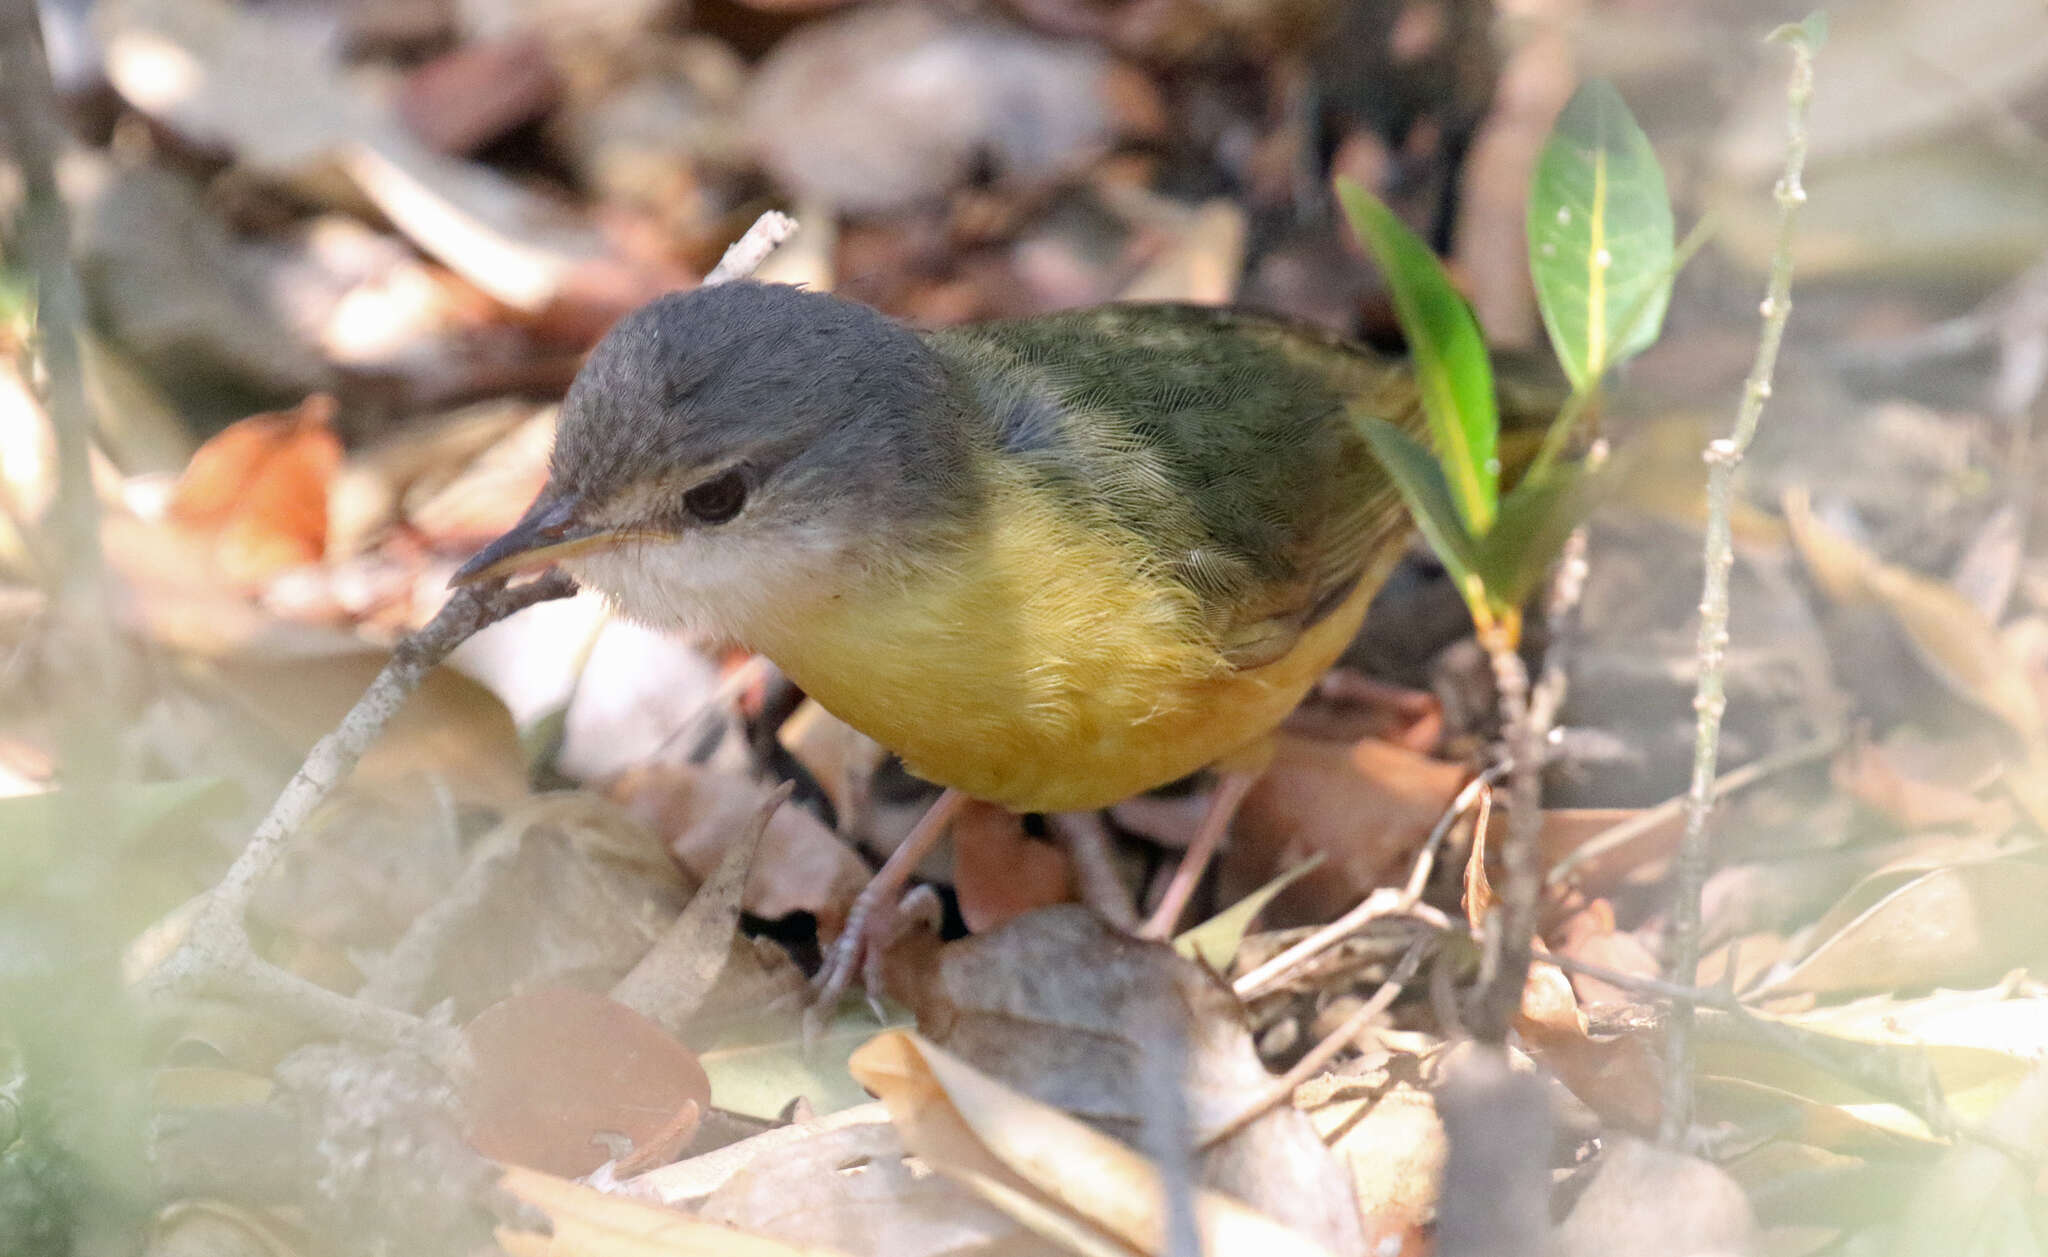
(1217, 442)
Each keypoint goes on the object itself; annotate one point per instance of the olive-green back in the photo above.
(1217, 441)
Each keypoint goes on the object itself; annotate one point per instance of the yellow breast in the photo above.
(1042, 671)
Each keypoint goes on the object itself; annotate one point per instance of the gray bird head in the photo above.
(737, 451)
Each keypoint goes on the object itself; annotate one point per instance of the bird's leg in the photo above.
(1088, 847)
(874, 908)
(1231, 787)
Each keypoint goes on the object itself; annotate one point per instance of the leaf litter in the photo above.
(394, 255)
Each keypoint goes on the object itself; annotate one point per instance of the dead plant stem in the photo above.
(1512, 930)
(1710, 701)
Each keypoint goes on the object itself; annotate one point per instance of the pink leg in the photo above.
(1231, 787)
(874, 908)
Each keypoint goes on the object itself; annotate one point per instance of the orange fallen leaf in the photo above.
(258, 489)
(1000, 871)
(564, 1080)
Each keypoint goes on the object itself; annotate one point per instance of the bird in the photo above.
(1050, 562)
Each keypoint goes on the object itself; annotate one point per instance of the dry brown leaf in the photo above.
(1050, 1171)
(258, 490)
(887, 107)
(564, 1080)
(1347, 705)
(858, 1188)
(1642, 858)
(802, 867)
(1393, 1143)
(1366, 808)
(588, 1223)
(1955, 925)
(1977, 1046)
(1959, 646)
(264, 88)
(1590, 934)
(1091, 1043)
(1617, 1077)
(1752, 1105)
(1478, 897)
(469, 96)
(1000, 872)
(1915, 781)
(1646, 1201)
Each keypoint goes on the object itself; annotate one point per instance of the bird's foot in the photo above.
(874, 922)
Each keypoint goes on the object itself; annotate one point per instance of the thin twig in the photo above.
(746, 254)
(1383, 902)
(1281, 1089)
(1729, 783)
(217, 957)
(1723, 458)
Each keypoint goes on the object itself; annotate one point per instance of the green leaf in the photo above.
(1420, 480)
(1601, 240)
(1534, 522)
(1215, 941)
(1451, 366)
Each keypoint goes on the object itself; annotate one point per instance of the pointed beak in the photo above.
(546, 534)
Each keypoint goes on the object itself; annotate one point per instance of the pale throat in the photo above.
(753, 592)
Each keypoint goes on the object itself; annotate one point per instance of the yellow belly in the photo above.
(1041, 673)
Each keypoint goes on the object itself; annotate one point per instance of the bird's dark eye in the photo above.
(717, 499)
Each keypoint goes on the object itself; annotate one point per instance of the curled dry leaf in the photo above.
(1076, 1014)
(1836, 1127)
(564, 1080)
(858, 1188)
(258, 490)
(1618, 1077)
(1955, 925)
(1050, 1171)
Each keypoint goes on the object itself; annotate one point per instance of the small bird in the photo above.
(1050, 562)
